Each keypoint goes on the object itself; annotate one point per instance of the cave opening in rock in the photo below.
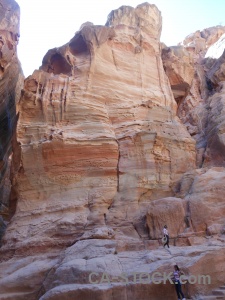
(78, 46)
(59, 65)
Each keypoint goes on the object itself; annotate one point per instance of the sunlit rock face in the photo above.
(98, 132)
(11, 81)
(200, 41)
(214, 65)
(99, 141)
(216, 49)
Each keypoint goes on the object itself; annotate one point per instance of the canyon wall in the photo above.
(11, 82)
(117, 136)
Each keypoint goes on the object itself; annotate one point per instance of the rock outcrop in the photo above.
(105, 142)
(179, 66)
(118, 135)
(196, 106)
(11, 81)
(201, 110)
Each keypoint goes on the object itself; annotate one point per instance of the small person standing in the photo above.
(166, 235)
(176, 279)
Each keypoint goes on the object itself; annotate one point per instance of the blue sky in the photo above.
(47, 24)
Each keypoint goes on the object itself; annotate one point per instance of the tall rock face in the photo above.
(116, 140)
(11, 81)
(198, 76)
(201, 109)
(99, 134)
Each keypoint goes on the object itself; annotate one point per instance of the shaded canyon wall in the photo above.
(11, 82)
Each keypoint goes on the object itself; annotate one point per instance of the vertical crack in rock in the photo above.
(52, 105)
(114, 60)
(118, 168)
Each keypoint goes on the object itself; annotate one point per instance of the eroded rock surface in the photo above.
(11, 81)
(201, 103)
(97, 143)
(179, 67)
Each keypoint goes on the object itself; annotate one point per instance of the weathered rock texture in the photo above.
(11, 80)
(98, 132)
(198, 106)
(106, 162)
(201, 109)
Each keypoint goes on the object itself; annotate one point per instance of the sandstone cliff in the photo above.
(11, 81)
(199, 93)
(118, 136)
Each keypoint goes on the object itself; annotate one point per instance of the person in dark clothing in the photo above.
(166, 235)
(176, 280)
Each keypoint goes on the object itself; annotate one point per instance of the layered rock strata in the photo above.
(201, 109)
(98, 132)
